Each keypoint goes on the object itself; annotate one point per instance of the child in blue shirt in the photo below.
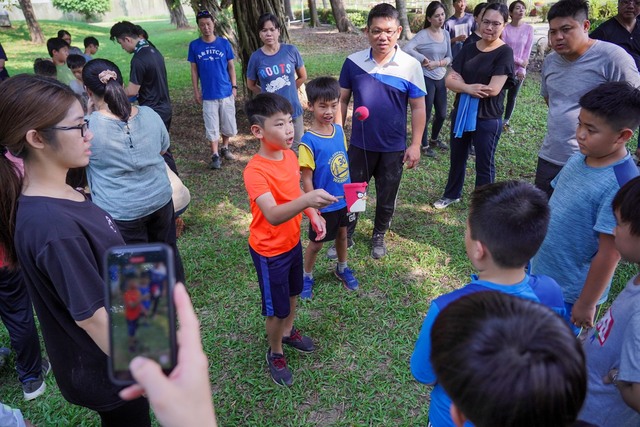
(324, 164)
(579, 250)
(507, 223)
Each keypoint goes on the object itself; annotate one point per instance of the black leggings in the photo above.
(512, 94)
(436, 97)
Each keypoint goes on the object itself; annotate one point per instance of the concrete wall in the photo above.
(119, 8)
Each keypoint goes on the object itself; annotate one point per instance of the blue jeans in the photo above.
(485, 140)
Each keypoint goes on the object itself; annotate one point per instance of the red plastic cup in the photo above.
(355, 194)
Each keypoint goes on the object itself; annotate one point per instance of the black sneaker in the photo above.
(215, 162)
(378, 249)
(33, 387)
(300, 342)
(46, 366)
(280, 373)
(438, 144)
(333, 254)
(428, 151)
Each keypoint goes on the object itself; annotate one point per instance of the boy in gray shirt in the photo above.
(577, 65)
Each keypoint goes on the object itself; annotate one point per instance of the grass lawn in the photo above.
(360, 374)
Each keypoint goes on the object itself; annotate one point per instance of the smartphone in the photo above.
(139, 299)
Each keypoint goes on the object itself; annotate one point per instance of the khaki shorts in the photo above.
(219, 117)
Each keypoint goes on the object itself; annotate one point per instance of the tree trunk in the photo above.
(32, 23)
(224, 27)
(287, 10)
(177, 14)
(313, 21)
(448, 4)
(246, 15)
(324, 4)
(401, 5)
(340, 15)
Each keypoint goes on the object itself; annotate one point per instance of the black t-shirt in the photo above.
(473, 37)
(478, 67)
(60, 246)
(613, 32)
(149, 72)
(4, 74)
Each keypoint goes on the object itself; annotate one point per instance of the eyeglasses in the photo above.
(491, 23)
(378, 32)
(83, 128)
(203, 13)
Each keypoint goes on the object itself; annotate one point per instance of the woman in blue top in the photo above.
(278, 68)
(432, 48)
(126, 172)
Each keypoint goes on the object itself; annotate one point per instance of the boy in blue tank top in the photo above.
(506, 225)
(324, 164)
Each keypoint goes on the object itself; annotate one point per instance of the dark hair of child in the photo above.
(265, 105)
(626, 203)
(323, 89)
(511, 219)
(76, 61)
(576, 9)
(88, 41)
(618, 103)
(55, 43)
(111, 91)
(382, 10)
(62, 33)
(431, 9)
(506, 361)
(45, 67)
(500, 8)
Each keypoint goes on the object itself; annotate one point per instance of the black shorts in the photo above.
(279, 277)
(334, 220)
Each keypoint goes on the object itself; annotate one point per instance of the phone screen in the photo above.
(140, 282)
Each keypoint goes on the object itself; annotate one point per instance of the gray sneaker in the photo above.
(444, 202)
(333, 254)
(226, 154)
(215, 162)
(428, 151)
(378, 249)
(33, 387)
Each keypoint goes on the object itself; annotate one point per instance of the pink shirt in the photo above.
(520, 39)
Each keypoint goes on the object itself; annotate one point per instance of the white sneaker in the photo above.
(444, 202)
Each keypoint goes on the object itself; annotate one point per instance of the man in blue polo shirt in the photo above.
(211, 61)
(385, 80)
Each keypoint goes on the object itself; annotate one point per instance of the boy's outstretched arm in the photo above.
(603, 265)
(278, 214)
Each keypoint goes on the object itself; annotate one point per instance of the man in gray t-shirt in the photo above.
(577, 65)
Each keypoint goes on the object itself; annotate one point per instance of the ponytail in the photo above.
(103, 78)
(9, 193)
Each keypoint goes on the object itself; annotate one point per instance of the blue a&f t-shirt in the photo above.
(212, 60)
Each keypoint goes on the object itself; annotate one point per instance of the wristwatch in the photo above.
(234, 87)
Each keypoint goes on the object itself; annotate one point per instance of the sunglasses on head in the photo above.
(203, 13)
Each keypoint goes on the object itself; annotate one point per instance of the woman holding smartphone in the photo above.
(58, 238)
(432, 48)
(478, 76)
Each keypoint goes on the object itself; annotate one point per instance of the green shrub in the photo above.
(90, 9)
(416, 21)
(326, 16)
(358, 17)
(602, 9)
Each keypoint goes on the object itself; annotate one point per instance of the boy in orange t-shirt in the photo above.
(272, 180)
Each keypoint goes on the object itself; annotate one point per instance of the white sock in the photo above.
(342, 266)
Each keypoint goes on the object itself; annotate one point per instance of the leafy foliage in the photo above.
(89, 8)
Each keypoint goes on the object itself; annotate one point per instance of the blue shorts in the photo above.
(132, 326)
(279, 277)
